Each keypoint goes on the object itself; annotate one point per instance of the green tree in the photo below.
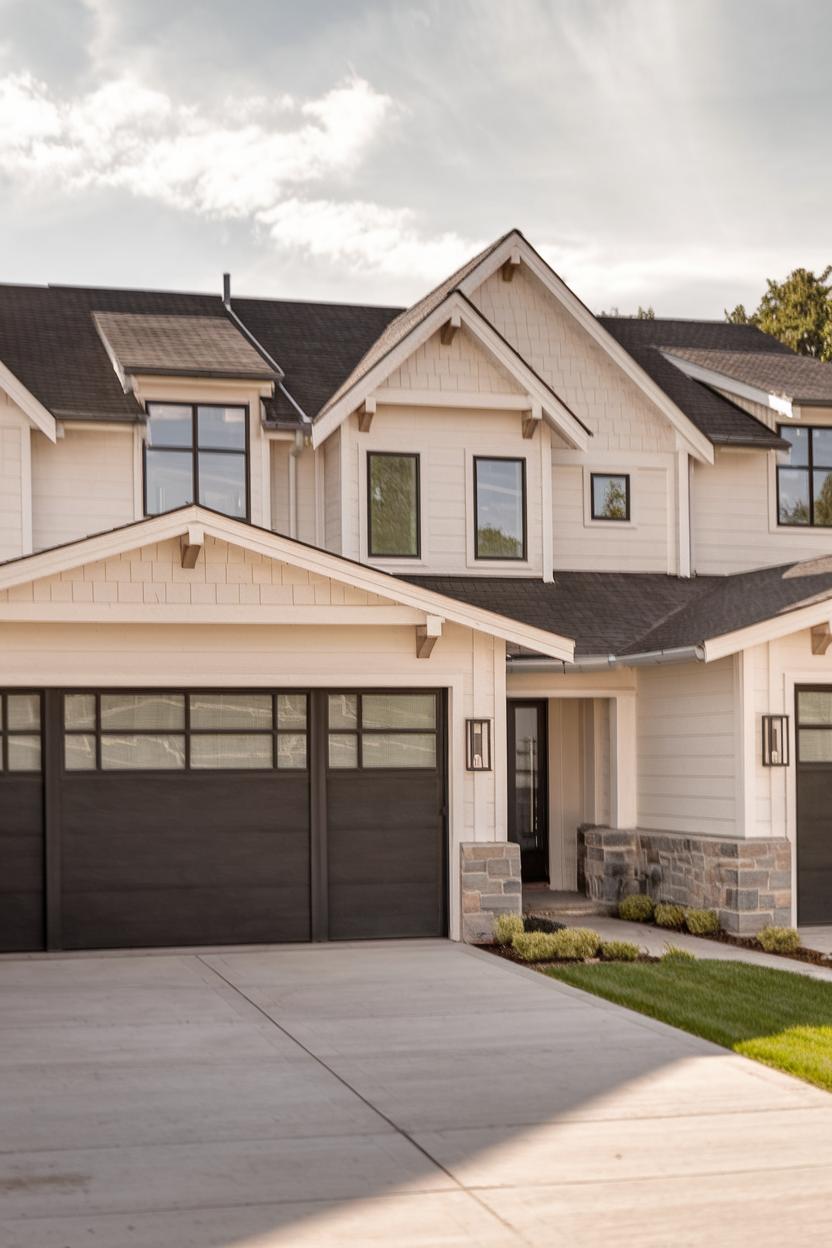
(797, 311)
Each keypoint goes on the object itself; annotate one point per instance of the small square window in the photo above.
(610, 496)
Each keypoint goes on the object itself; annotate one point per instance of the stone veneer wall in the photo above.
(748, 882)
(490, 885)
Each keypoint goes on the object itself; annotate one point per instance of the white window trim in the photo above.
(390, 563)
(609, 470)
(494, 566)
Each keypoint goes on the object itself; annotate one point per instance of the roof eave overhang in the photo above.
(515, 245)
(778, 403)
(176, 524)
(32, 408)
(455, 304)
(783, 624)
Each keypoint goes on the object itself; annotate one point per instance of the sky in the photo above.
(671, 153)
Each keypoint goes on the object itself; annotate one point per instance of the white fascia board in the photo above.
(709, 377)
(28, 404)
(454, 304)
(700, 446)
(273, 546)
(769, 630)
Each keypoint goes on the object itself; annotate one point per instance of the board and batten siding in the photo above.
(687, 748)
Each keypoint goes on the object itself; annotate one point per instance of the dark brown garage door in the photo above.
(814, 804)
(21, 822)
(208, 817)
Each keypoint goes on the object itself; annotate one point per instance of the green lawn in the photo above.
(775, 1017)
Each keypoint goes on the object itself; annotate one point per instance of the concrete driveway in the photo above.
(381, 1094)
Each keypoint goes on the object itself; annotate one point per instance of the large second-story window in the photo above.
(392, 505)
(804, 481)
(196, 452)
(499, 508)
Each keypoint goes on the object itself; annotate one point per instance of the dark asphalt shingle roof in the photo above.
(206, 346)
(625, 613)
(796, 377)
(49, 341)
(723, 422)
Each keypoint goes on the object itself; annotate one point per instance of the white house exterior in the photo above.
(267, 567)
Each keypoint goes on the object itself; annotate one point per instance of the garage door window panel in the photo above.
(20, 732)
(204, 731)
(376, 731)
(814, 726)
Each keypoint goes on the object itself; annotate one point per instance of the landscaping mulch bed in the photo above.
(511, 955)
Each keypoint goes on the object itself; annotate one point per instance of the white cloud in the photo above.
(124, 135)
(366, 237)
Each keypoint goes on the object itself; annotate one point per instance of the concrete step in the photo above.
(551, 903)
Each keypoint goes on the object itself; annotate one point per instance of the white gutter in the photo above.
(603, 662)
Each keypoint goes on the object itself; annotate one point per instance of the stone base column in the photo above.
(490, 884)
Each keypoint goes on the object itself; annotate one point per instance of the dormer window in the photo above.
(196, 452)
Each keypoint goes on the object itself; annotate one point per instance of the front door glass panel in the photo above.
(527, 786)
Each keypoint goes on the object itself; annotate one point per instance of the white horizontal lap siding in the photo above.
(734, 524)
(446, 441)
(581, 544)
(15, 489)
(687, 748)
(81, 484)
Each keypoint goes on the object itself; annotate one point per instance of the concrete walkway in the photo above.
(654, 940)
(421, 1095)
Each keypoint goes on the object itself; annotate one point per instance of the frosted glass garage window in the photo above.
(390, 749)
(126, 711)
(20, 745)
(79, 712)
(231, 710)
(142, 752)
(246, 751)
(398, 710)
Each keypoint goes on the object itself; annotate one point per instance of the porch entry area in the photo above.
(559, 752)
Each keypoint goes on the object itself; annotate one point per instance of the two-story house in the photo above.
(310, 614)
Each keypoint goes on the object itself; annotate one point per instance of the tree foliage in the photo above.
(797, 311)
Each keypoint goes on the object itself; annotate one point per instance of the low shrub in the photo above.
(702, 922)
(636, 909)
(570, 944)
(668, 914)
(672, 953)
(534, 923)
(506, 927)
(620, 951)
(779, 939)
(577, 943)
(536, 946)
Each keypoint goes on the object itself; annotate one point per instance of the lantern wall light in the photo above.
(775, 740)
(478, 744)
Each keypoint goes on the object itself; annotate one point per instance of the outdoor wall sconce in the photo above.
(775, 740)
(478, 744)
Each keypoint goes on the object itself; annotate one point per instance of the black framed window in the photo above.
(382, 731)
(196, 452)
(499, 508)
(393, 505)
(20, 732)
(610, 495)
(804, 483)
(158, 730)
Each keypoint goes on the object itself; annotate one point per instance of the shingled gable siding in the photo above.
(14, 468)
(82, 484)
(630, 435)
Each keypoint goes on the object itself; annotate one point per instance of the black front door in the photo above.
(528, 823)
